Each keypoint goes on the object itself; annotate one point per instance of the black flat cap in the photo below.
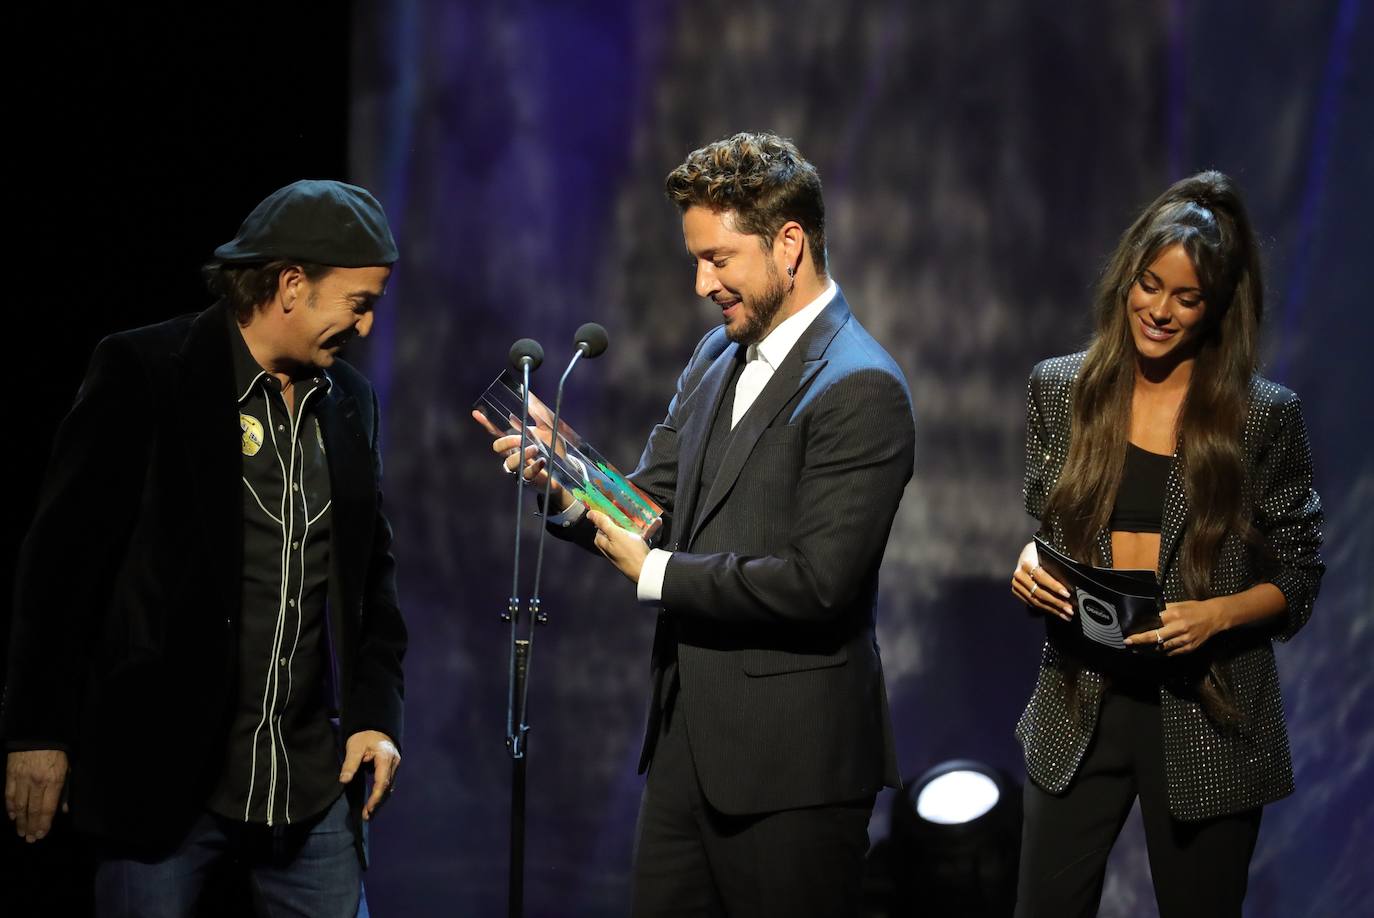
(315, 220)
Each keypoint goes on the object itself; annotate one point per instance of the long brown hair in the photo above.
(1205, 215)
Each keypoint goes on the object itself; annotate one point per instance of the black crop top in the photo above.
(1140, 496)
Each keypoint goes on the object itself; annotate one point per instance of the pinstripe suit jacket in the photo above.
(1209, 771)
(769, 597)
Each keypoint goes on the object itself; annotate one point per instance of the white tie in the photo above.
(752, 379)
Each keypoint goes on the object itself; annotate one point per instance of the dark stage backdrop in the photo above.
(979, 161)
(139, 135)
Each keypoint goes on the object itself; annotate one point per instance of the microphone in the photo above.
(527, 351)
(588, 341)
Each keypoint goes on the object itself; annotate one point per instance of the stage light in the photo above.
(955, 843)
(957, 796)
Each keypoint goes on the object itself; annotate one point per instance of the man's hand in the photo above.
(33, 787)
(624, 548)
(375, 747)
(535, 466)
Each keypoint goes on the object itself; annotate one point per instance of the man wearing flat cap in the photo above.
(206, 650)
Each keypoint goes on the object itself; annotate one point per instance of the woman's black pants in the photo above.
(1198, 868)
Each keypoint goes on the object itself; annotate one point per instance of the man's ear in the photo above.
(791, 239)
(289, 283)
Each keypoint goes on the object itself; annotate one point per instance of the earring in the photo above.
(791, 271)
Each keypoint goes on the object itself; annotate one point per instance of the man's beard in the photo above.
(759, 313)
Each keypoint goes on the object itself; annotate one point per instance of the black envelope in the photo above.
(1111, 603)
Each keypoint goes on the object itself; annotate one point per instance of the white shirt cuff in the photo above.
(567, 517)
(650, 586)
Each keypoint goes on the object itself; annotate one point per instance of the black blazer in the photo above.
(1209, 771)
(769, 598)
(128, 589)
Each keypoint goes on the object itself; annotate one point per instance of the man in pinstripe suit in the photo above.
(780, 466)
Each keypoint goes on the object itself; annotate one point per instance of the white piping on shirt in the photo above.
(272, 688)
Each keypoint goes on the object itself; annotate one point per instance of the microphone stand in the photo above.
(590, 342)
(534, 606)
(519, 649)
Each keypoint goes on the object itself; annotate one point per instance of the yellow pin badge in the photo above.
(252, 434)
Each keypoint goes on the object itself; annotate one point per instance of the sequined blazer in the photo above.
(1209, 770)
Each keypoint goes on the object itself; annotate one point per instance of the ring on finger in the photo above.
(1034, 587)
(1159, 638)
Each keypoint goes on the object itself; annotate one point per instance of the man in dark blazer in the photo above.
(206, 644)
(779, 467)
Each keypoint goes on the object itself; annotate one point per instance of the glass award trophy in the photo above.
(575, 464)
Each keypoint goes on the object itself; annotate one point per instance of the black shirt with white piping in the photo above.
(282, 755)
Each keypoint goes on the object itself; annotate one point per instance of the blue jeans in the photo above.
(309, 870)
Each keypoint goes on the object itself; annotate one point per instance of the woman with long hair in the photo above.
(1160, 448)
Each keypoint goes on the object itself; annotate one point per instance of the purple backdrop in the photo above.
(979, 160)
